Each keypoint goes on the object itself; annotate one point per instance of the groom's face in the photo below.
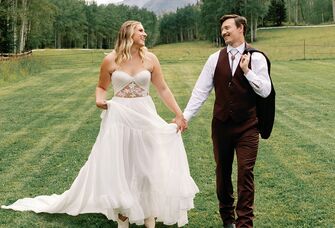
(230, 32)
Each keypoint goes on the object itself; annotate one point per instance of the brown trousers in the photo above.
(243, 138)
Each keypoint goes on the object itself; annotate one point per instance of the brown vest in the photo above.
(234, 97)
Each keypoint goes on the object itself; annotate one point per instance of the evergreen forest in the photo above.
(33, 24)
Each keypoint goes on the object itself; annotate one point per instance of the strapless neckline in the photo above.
(130, 75)
(127, 85)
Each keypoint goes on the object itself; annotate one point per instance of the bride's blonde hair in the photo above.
(125, 41)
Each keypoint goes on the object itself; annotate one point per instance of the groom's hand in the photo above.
(181, 123)
(244, 63)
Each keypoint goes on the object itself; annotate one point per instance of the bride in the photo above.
(137, 171)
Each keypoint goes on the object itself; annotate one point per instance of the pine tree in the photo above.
(277, 12)
(5, 36)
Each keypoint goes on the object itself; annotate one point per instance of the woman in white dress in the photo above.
(137, 171)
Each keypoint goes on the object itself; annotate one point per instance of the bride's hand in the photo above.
(181, 123)
(101, 104)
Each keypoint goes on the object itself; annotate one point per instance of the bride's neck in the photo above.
(134, 51)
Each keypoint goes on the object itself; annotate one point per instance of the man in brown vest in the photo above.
(237, 79)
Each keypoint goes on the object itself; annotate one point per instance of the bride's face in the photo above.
(139, 35)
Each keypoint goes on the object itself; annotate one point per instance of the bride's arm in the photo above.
(104, 82)
(165, 93)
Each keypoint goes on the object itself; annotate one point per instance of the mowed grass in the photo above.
(49, 122)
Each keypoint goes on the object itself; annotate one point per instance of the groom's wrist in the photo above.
(187, 116)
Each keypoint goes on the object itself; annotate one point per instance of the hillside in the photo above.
(138, 3)
(159, 6)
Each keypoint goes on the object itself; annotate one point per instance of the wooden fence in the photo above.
(11, 56)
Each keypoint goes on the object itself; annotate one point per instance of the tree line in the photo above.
(203, 18)
(30, 24)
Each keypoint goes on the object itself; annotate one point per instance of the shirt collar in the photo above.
(240, 48)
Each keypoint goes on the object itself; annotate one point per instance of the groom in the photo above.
(237, 79)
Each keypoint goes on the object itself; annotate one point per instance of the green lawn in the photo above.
(49, 123)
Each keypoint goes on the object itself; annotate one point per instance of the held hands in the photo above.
(244, 63)
(181, 123)
(101, 104)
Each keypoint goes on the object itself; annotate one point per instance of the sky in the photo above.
(107, 1)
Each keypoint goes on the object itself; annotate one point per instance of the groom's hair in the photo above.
(239, 21)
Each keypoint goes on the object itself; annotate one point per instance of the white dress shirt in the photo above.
(257, 76)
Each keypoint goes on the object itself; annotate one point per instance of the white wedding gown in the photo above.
(137, 167)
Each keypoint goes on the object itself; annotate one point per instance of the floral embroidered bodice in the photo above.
(130, 86)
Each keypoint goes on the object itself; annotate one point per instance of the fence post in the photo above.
(91, 55)
(304, 49)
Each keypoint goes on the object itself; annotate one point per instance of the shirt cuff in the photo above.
(187, 115)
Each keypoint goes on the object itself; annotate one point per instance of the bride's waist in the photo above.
(146, 97)
(132, 90)
(131, 97)
(136, 103)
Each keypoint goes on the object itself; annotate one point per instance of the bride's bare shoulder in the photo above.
(109, 61)
(110, 56)
(152, 57)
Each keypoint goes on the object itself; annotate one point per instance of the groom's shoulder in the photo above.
(214, 55)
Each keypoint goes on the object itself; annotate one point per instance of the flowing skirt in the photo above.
(137, 167)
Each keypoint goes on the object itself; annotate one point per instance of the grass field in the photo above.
(49, 122)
